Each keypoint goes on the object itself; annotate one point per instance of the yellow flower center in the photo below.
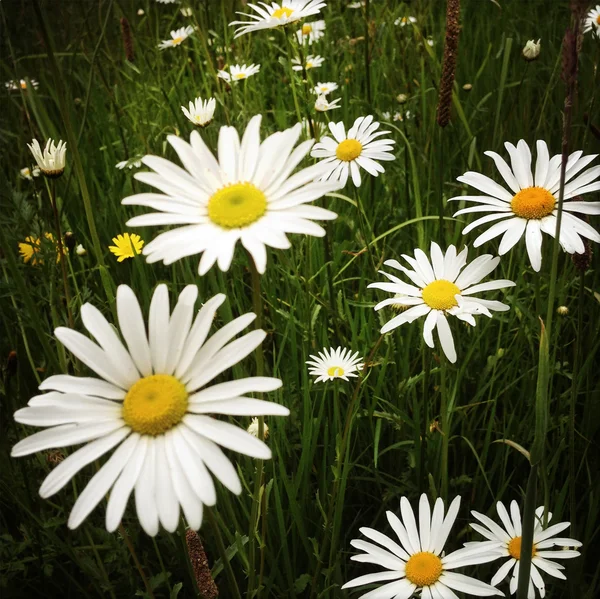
(439, 295)
(284, 11)
(533, 202)
(23, 84)
(348, 150)
(237, 205)
(177, 41)
(155, 404)
(514, 548)
(598, 19)
(335, 371)
(239, 76)
(309, 64)
(424, 568)
(306, 29)
(404, 20)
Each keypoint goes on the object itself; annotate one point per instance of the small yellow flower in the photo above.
(31, 247)
(126, 246)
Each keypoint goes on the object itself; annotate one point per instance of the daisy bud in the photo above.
(531, 50)
(562, 310)
(253, 429)
(467, 87)
(402, 98)
(80, 250)
(52, 159)
(70, 241)
(140, 12)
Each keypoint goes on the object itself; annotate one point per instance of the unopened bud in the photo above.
(531, 50)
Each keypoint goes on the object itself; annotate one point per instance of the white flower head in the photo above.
(507, 542)
(178, 36)
(21, 84)
(131, 163)
(441, 287)
(323, 105)
(530, 207)
(140, 12)
(312, 62)
(27, 173)
(200, 111)
(414, 559)
(324, 89)
(358, 4)
(253, 429)
(429, 41)
(239, 73)
(361, 147)
(333, 364)
(532, 50)
(250, 194)
(592, 21)
(186, 11)
(311, 32)
(167, 1)
(277, 15)
(51, 159)
(153, 404)
(80, 250)
(404, 21)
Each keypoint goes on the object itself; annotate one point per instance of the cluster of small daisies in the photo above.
(153, 401)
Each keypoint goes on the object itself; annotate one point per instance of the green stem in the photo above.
(233, 587)
(445, 431)
(292, 76)
(527, 537)
(136, 561)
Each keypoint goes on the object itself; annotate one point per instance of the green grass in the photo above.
(315, 495)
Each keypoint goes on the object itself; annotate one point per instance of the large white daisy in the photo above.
(277, 15)
(531, 205)
(507, 542)
(360, 147)
(441, 287)
(178, 36)
(592, 21)
(248, 195)
(334, 364)
(417, 562)
(239, 73)
(152, 404)
(311, 32)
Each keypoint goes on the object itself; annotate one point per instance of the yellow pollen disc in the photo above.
(514, 548)
(439, 295)
(335, 371)
(237, 205)
(284, 11)
(348, 150)
(533, 202)
(309, 64)
(423, 569)
(24, 85)
(598, 19)
(177, 41)
(155, 404)
(306, 29)
(240, 76)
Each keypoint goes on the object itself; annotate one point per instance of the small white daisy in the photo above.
(311, 32)
(334, 364)
(507, 542)
(178, 36)
(251, 194)
(312, 62)
(28, 173)
(359, 4)
(21, 84)
(200, 111)
(398, 116)
(592, 21)
(277, 15)
(323, 89)
(153, 404)
(404, 21)
(238, 73)
(359, 148)
(443, 286)
(530, 208)
(386, 116)
(415, 560)
(323, 105)
(51, 159)
(131, 163)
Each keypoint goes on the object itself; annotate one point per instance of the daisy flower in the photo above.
(131, 163)
(334, 364)
(178, 36)
(51, 159)
(530, 207)
(441, 287)
(237, 72)
(312, 62)
(323, 105)
(311, 32)
(359, 148)
(152, 404)
(248, 195)
(404, 21)
(324, 89)
(507, 542)
(126, 246)
(27, 173)
(277, 15)
(415, 560)
(22, 84)
(592, 21)
(186, 11)
(200, 111)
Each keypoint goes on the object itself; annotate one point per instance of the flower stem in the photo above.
(234, 590)
(445, 431)
(136, 561)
